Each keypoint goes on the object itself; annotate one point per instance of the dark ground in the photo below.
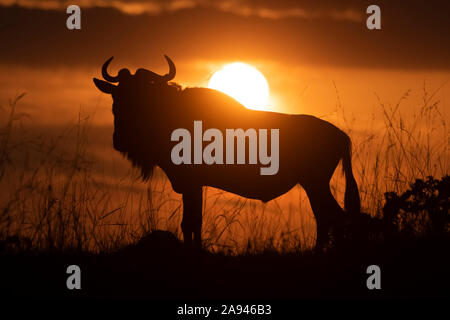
(159, 267)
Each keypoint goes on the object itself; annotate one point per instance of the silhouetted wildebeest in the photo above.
(147, 109)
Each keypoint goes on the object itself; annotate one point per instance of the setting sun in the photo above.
(242, 82)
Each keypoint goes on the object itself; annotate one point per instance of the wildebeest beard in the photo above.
(138, 125)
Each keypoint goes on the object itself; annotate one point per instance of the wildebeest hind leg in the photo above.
(327, 211)
(191, 224)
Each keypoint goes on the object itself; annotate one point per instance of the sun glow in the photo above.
(242, 82)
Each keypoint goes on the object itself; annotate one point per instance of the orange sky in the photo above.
(54, 98)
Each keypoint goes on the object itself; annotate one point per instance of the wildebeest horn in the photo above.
(105, 74)
(172, 70)
(152, 76)
(122, 73)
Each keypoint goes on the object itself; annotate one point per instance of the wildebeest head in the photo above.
(131, 98)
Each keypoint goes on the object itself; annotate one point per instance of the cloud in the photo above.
(342, 10)
(294, 32)
(287, 9)
(130, 7)
(263, 9)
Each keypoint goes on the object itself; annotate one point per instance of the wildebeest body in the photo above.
(147, 111)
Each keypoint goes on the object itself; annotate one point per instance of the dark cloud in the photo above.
(264, 8)
(414, 34)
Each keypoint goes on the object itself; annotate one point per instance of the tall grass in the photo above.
(56, 196)
(409, 142)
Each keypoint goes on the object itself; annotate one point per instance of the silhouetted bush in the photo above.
(423, 209)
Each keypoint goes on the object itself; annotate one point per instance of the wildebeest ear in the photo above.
(104, 86)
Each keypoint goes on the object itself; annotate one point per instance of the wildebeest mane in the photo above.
(145, 130)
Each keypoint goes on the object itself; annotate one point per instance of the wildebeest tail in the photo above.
(352, 201)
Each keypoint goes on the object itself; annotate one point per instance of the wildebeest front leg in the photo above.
(192, 217)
